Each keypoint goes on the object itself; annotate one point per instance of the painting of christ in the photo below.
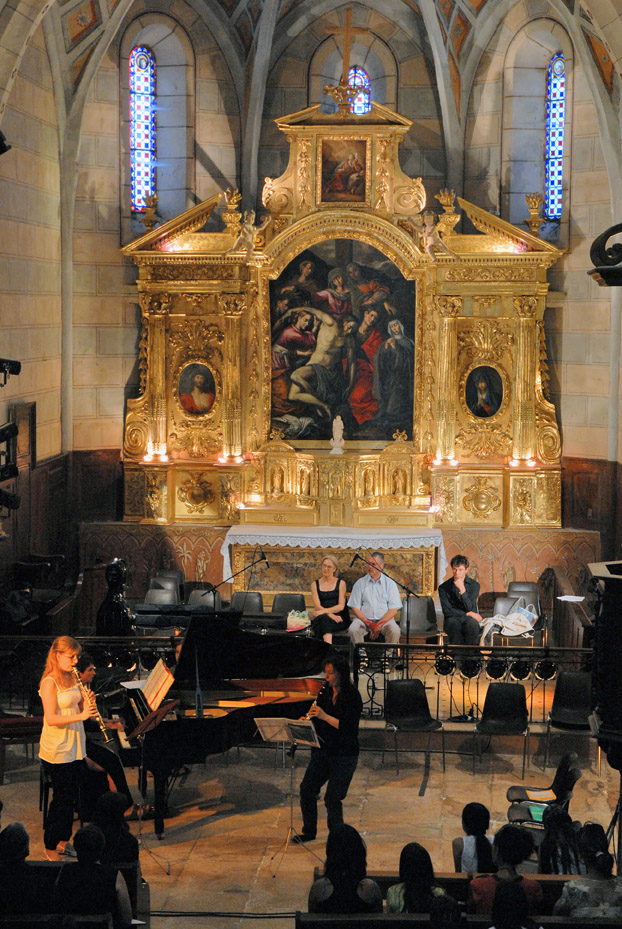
(343, 344)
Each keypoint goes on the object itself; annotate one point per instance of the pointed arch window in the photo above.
(555, 119)
(142, 79)
(358, 77)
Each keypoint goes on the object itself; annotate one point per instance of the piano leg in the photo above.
(159, 805)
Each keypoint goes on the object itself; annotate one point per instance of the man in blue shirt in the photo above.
(374, 602)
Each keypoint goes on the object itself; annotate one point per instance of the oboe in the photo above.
(88, 695)
(323, 690)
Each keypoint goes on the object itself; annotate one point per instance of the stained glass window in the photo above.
(358, 77)
(555, 112)
(142, 125)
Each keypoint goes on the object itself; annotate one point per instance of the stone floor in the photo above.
(222, 857)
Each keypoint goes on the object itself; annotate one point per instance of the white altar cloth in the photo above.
(328, 537)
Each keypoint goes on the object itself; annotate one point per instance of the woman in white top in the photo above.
(62, 746)
(473, 853)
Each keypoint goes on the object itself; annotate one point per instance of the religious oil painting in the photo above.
(484, 391)
(343, 329)
(343, 171)
(196, 388)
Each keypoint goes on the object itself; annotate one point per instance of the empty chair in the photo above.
(504, 713)
(285, 603)
(406, 710)
(559, 791)
(166, 583)
(530, 812)
(528, 590)
(418, 617)
(571, 705)
(248, 601)
(162, 596)
(174, 573)
(208, 599)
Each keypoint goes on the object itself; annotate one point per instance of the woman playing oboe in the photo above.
(62, 746)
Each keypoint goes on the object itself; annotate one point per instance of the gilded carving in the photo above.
(444, 500)
(155, 495)
(484, 441)
(304, 173)
(195, 272)
(522, 502)
(548, 447)
(481, 499)
(525, 307)
(228, 504)
(544, 375)
(154, 304)
(485, 340)
(548, 498)
(143, 351)
(196, 439)
(382, 175)
(410, 198)
(448, 307)
(196, 493)
(485, 273)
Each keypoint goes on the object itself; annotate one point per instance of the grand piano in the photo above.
(225, 677)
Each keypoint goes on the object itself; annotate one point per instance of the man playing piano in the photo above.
(335, 715)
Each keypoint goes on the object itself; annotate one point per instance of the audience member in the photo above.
(599, 893)
(416, 889)
(474, 852)
(18, 892)
(511, 846)
(329, 600)
(559, 850)
(374, 601)
(458, 598)
(510, 908)
(89, 887)
(445, 913)
(121, 846)
(345, 887)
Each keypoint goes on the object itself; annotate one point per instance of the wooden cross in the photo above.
(347, 30)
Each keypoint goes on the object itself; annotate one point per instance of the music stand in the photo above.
(294, 733)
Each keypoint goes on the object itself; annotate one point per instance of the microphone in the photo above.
(354, 557)
(261, 552)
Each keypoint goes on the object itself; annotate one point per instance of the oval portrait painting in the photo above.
(196, 388)
(484, 391)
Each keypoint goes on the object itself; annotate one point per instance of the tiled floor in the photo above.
(223, 842)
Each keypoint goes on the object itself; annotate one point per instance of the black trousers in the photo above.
(338, 771)
(462, 630)
(66, 780)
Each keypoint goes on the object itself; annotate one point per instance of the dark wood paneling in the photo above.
(97, 484)
(589, 498)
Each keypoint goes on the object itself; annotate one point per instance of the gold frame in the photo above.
(349, 204)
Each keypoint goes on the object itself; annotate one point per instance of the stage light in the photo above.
(8, 431)
(7, 472)
(496, 668)
(470, 668)
(520, 670)
(444, 664)
(10, 501)
(545, 670)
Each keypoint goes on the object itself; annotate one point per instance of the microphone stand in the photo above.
(212, 588)
(405, 587)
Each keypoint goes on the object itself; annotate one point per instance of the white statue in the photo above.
(430, 236)
(337, 439)
(247, 235)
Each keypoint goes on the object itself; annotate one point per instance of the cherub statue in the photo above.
(247, 235)
(337, 439)
(429, 235)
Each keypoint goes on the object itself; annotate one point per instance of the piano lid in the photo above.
(216, 650)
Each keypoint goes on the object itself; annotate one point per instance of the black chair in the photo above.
(559, 791)
(161, 596)
(571, 705)
(504, 713)
(175, 573)
(530, 812)
(250, 601)
(406, 710)
(166, 583)
(418, 619)
(285, 603)
(209, 599)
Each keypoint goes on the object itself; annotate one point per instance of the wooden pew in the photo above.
(52, 920)
(402, 920)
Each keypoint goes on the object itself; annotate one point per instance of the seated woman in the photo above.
(511, 846)
(559, 850)
(344, 887)
(416, 890)
(599, 893)
(510, 909)
(121, 846)
(474, 852)
(329, 599)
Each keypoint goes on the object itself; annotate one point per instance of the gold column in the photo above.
(156, 307)
(449, 309)
(525, 377)
(231, 306)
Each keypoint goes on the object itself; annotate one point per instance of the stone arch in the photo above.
(175, 121)
(368, 52)
(523, 142)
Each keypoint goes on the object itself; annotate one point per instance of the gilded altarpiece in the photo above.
(203, 442)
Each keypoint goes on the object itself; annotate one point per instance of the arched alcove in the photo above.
(370, 53)
(523, 143)
(175, 116)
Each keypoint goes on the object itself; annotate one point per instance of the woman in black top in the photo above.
(329, 599)
(336, 715)
(345, 887)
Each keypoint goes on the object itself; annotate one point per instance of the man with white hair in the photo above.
(374, 602)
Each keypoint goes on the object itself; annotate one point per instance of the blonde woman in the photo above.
(62, 746)
(329, 599)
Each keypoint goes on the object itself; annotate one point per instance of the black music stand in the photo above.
(293, 733)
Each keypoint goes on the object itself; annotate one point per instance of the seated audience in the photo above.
(458, 598)
(89, 887)
(599, 893)
(511, 846)
(474, 852)
(445, 913)
(510, 908)
(121, 846)
(375, 601)
(18, 892)
(345, 887)
(559, 851)
(416, 890)
(329, 600)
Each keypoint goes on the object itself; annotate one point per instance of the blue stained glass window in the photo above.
(555, 114)
(142, 125)
(358, 77)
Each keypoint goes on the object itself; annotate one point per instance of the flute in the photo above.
(88, 695)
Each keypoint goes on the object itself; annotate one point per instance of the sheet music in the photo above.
(279, 729)
(155, 687)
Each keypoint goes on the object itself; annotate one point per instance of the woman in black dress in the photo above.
(329, 599)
